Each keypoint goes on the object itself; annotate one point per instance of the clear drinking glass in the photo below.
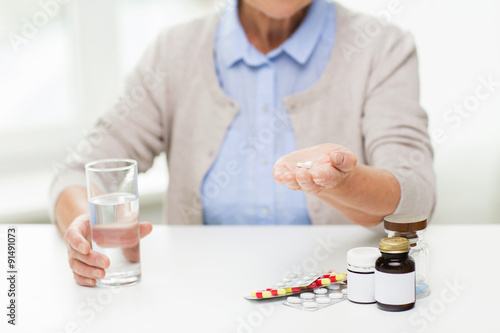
(412, 227)
(419, 251)
(114, 218)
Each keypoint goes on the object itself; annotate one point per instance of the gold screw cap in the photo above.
(394, 245)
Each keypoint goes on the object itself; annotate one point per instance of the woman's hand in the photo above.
(331, 166)
(87, 264)
(362, 193)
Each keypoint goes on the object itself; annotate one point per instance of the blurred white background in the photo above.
(62, 63)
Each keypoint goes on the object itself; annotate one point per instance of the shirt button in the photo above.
(264, 160)
(265, 108)
(266, 211)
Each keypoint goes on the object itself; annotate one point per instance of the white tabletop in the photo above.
(194, 280)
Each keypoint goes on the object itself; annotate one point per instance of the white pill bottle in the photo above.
(361, 274)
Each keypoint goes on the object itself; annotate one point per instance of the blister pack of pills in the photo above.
(319, 298)
(295, 283)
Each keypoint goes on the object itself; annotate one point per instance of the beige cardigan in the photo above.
(366, 100)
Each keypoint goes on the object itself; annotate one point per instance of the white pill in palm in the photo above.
(306, 165)
(336, 295)
(310, 304)
(320, 291)
(322, 300)
(307, 296)
(294, 300)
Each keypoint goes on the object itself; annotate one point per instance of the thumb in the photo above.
(343, 160)
(145, 229)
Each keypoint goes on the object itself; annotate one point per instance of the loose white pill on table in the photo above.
(333, 287)
(310, 304)
(307, 296)
(336, 295)
(320, 291)
(344, 291)
(293, 300)
(322, 300)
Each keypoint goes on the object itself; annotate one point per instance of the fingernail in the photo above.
(90, 282)
(100, 262)
(97, 273)
(81, 248)
(338, 158)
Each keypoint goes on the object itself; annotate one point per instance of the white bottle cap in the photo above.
(362, 258)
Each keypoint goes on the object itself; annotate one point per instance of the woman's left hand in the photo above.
(331, 165)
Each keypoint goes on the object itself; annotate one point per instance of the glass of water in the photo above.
(114, 218)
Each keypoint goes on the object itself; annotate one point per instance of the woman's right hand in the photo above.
(87, 265)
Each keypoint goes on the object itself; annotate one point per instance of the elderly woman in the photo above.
(240, 99)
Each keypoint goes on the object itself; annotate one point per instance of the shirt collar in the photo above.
(231, 38)
(302, 43)
(235, 46)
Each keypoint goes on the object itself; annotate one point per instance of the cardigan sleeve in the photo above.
(132, 128)
(395, 126)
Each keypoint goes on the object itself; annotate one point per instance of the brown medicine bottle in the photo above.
(395, 275)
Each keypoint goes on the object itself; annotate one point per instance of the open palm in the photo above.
(331, 164)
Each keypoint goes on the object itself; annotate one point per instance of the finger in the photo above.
(343, 160)
(278, 174)
(116, 234)
(145, 229)
(304, 179)
(85, 270)
(120, 235)
(289, 180)
(77, 240)
(133, 254)
(83, 281)
(94, 259)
